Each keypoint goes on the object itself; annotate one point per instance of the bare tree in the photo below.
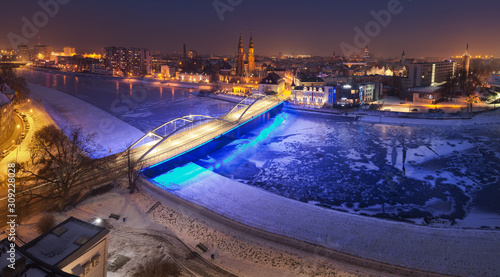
(469, 92)
(61, 163)
(15, 82)
(133, 171)
(471, 99)
(45, 223)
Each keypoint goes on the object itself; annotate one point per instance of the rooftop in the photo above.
(62, 241)
(4, 99)
(310, 78)
(26, 264)
(272, 78)
(431, 89)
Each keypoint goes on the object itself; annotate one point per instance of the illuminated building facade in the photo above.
(369, 92)
(131, 62)
(193, 77)
(139, 61)
(427, 74)
(23, 53)
(69, 51)
(272, 84)
(240, 59)
(42, 52)
(245, 68)
(251, 57)
(310, 95)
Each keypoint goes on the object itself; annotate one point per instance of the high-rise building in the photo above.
(69, 51)
(134, 61)
(192, 54)
(23, 53)
(115, 58)
(251, 57)
(429, 73)
(42, 52)
(139, 61)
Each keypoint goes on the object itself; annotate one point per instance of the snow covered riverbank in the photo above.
(485, 118)
(461, 252)
(112, 134)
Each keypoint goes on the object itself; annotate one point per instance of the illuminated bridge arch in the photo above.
(246, 104)
(168, 129)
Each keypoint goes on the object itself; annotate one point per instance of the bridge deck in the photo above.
(183, 142)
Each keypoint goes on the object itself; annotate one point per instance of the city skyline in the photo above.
(423, 29)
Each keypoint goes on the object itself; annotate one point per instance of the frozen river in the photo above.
(144, 106)
(440, 175)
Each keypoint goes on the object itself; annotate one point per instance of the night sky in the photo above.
(424, 28)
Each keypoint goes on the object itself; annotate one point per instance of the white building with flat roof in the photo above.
(74, 247)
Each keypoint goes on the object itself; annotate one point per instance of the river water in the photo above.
(441, 175)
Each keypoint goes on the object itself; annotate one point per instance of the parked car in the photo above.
(25, 119)
(16, 110)
(27, 126)
(5, 153)
(23, 135)
(414, 110)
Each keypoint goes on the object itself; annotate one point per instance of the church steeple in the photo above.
(240, 45)
(240, 61)
(251, 57)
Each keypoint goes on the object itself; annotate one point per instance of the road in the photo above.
(198, 135)
(190, 262)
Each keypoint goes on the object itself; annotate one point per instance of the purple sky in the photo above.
(421, 28)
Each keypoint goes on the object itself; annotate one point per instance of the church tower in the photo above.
(366, 54)
(466, 62)
(251, 57)
(403, 58)
(240, 62)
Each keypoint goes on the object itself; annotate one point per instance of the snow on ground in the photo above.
(451, 251)
(148, 233)
(485, 118)
(112, 134)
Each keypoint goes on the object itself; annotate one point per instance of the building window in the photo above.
(95, 260)
(87, 267)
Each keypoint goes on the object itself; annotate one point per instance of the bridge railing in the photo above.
(183, 147)
(192, 125)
